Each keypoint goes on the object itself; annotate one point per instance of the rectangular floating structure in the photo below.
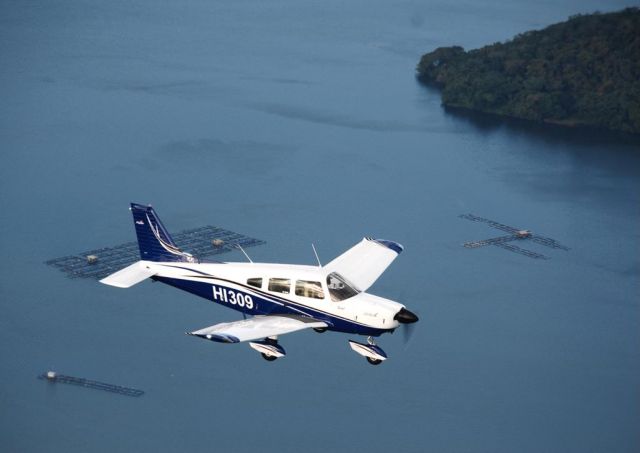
(492, 241)
(516, 234)
(500, 226)
(549, 242)
(200, 242)
(50, 376)
(521, 251)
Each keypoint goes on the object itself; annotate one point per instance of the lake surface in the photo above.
(300, 123)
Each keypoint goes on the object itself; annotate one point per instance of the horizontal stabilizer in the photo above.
(129, 276)
(256, 328)
(363, 263)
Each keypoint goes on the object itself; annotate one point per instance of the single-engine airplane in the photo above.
(279, 298)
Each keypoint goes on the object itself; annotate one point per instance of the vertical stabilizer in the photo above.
(153, 239)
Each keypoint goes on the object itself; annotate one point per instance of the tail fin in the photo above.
(153, 239)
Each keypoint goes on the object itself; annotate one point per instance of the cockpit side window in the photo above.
(310, 289)
(255, 282)
(280, 285)
(339, 288)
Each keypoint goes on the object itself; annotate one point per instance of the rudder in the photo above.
(154, 240)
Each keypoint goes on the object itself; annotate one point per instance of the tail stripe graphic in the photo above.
(168, 247)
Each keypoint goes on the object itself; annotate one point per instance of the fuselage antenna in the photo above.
(316, 254)
(245, 253)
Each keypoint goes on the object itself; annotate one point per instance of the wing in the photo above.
(256, 328)
(362, 264)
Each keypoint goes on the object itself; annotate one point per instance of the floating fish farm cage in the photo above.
(52, 376)
(200, 242)
(515, 234)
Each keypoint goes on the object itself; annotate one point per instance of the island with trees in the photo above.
(581, 72)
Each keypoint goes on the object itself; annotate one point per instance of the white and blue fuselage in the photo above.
(249, 288)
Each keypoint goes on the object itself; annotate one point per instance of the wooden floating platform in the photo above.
(549, 242)
(500, 226)
(492, 241)
(516, 249)
(51, 376)
(200, 242)
(515, 235)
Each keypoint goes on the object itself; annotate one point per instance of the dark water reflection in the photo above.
(585, 156)
(577, 137)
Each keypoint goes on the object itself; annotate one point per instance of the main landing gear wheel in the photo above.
(320, 329)
(369, 350)
(267, 357)
(268, 348)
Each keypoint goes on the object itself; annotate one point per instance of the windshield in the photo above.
(339, 289)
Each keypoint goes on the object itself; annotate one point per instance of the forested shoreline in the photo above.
(581, 72)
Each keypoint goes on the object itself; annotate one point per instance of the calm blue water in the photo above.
(301, 122)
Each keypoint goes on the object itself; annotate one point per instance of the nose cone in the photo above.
(404, 316)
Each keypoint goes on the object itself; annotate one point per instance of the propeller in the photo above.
(408, 320)
(407, 333)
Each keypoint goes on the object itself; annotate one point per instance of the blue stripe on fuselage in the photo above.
(264, 305)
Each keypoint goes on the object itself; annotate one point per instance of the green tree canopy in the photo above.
(585, 71)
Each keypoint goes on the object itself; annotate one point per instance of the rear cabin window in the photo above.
(306, 288)
(339, 288)
(256, 282)
(280, 285)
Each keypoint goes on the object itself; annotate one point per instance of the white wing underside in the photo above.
(256, 328)
(363, 263)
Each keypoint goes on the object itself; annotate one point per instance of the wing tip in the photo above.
(392, 245)
(219, 337)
